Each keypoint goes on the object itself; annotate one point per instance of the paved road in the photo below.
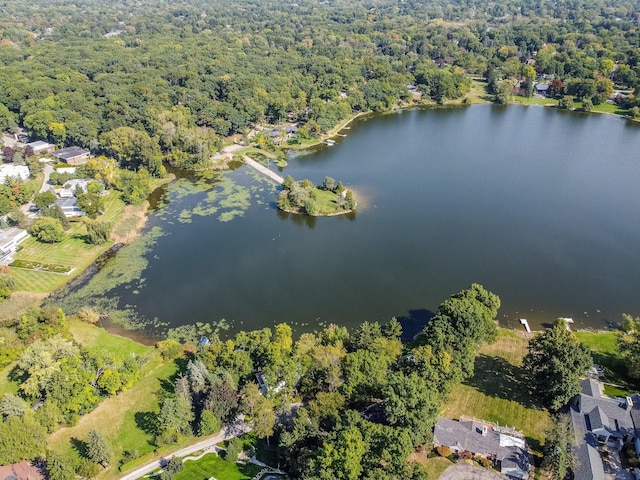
(230, 431)
(47, 170)
(464, 471)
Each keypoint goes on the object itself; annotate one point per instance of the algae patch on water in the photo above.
(126, 266)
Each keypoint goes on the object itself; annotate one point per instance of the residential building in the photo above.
(72, 155)
(40, 147)
(21, 471)
(509, 453)
(14, 171)
(69, 207)
(10, 238)
(601, 424)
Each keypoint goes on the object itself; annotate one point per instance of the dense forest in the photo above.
(147, 82)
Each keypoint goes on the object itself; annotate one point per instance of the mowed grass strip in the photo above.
(213, 466)
(125, 420)
(498, 392)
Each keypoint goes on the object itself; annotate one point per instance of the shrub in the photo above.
(169, 349)
(443, 451)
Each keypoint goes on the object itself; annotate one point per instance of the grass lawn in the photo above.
(497, 393)
(92, 336)
(605, 353)
(532, 100)
(128, 432)
(478, 92)
(213, 466)
(435, 466)
(73, 251)
(6, 385)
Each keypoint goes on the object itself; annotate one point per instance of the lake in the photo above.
(538, 205)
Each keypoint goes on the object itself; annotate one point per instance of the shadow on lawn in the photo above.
(496, 377)
(147, 422)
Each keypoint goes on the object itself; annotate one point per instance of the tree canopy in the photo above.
(555, 363)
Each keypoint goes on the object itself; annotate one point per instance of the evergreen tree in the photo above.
(97, 448)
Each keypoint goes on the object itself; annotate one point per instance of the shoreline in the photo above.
(139, 215)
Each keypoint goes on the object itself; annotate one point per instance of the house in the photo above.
(542, 89)
(14, 171)
(601, 423)
(509, 453)
(262, 383)
(81, 183)
(69, 207)
(40, 147)
(63, 193)
(20, 471)
(283, 132)
(10, 238)
(72, 155)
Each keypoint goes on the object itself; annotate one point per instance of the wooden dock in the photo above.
(264, 170)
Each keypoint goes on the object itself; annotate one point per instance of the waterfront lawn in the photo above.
(605, 353)
(213, 466)
(534, 100)
(73, 252)
(92, 336)
(498, 392)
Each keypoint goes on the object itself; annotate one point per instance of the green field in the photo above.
(498, 393)
(213, 466)
(125, 420)
(73, 251)
(605, 353)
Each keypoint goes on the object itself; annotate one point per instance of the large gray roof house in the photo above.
(599, 420)
(509, 453)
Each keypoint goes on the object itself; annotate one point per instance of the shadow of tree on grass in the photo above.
(496, 377)
(147, 422)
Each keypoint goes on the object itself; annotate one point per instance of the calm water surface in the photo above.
(540, 206)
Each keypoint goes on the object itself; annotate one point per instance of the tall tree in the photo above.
(98, 450)
(558, 458)
(555, 362)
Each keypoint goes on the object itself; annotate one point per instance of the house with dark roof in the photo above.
(508, 452)
(69, 207)
(72, 155)
(601, 422)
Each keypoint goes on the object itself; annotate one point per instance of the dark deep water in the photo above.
(540, 206)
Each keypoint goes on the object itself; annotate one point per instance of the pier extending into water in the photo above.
(264, 170)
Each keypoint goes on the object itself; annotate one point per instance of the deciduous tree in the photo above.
(555, 362)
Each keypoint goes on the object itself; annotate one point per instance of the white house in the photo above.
(14, 171)
(10, 238)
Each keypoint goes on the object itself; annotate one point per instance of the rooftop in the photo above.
(70, 152)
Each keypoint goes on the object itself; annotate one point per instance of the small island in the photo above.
(308, 199)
